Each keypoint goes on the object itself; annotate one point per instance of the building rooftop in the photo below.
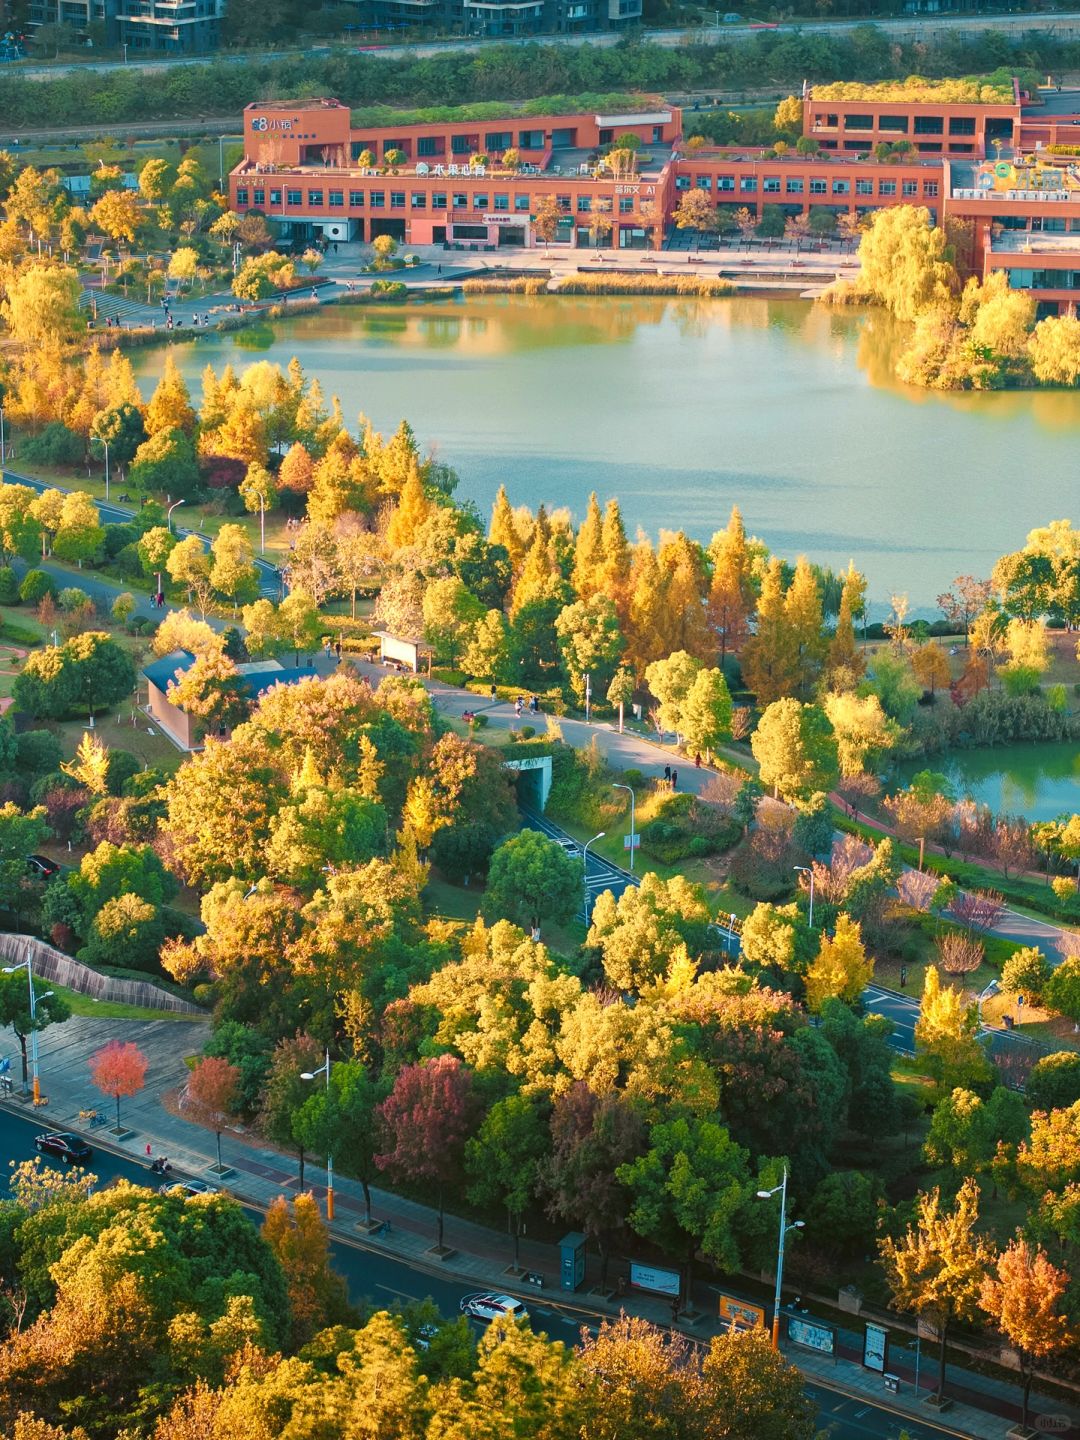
(996, 89)
(170, 667)
(323, 103)
(1052, 102)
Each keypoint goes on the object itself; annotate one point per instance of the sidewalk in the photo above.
(481, 1256)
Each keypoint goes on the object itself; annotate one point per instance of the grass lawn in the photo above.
(1031, 1021)
(455, 902)
(113, 1010)
(115, 730)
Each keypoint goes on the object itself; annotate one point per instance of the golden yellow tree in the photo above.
(842, 969)
(1025, 1298)
(937, 1268)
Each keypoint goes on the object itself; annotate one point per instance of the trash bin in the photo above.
(891, 1383)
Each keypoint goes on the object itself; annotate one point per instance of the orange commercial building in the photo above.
(480, 184)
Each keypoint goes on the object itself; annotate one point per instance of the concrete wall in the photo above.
(50, 964)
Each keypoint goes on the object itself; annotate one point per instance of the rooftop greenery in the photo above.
(993, 89)
(588, 103)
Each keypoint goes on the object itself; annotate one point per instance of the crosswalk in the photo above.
(600, 874)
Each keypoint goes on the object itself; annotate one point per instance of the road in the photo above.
(386, 1281)
(269, 576)
(912, 28)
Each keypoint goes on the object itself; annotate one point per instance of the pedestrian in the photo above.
(327, 647)
(438, 270)
(697, 762)
(494, 694)
(337, 650)
(674, 779)
(149, 1150)
(667, 774)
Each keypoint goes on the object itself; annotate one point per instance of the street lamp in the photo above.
(784, 1228)
(633, 834)
(28, 966)
(807, 870)
(3, 446)
(102, 441)
(324, 1069)
(168, 515)
(585, 864)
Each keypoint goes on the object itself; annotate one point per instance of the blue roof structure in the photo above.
(169, 668)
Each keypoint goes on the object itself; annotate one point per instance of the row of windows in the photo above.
(1044, 279)
(257, 196)
(898, 124)
(795, 185)
(494, 142)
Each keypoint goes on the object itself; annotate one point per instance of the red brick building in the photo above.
(480, 184)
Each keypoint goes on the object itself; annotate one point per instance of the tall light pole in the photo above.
(102, 441)
(585, 867)
(168, 515)
(221, 162)
(312, 1075)
(28, 966)
(588, 697)
(784, 1228)
(808, 870)
(633, 834)
(3, 446)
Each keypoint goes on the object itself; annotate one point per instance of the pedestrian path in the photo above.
(479, 1257)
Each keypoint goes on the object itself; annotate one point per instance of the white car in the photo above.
(188, 1188)
(491, 1307)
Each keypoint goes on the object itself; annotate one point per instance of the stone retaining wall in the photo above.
(50, 964)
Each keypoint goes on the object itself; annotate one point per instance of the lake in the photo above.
(682, 408)
(1036, 781)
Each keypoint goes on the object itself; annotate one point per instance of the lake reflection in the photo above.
(683, 407)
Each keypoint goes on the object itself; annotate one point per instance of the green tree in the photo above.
(590, 644)
(688, 1189)
(670, 681)
(49, 1009)
(81, 534)
(503, 1159)
(232, 571)
(20, 524)
(759, 1394)
(166, 464)
(795, 749)
(706, 712)
(533, 881)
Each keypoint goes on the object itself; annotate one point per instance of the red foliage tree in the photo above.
(118, 1069)
(211, 1093)
(426, 1120)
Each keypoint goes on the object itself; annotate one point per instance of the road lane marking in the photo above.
(393, 1290)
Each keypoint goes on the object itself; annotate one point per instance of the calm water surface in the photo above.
(1037, 781)
(684, 407)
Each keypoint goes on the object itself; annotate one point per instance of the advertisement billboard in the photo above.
(875, 1348)
(811, 1334)
(659, 1282)
(740, 1313)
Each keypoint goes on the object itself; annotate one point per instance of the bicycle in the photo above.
(85, 1115)
(98, 1120)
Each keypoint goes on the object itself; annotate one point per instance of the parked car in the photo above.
(188, 1188)
(41, 867)
(572, 848)
(65, 1147)
(489, 1307)
(732, 18)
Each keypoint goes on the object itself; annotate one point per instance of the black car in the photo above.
(42, 867)
(68, 1148)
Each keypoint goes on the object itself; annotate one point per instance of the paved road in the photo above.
(900, 28)
(111, 514)
(385, 1281)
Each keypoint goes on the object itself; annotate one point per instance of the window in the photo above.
(961, 125)
(794, 185)
(461, 201)
(337, 199)
(563, 202)
(962, 149)
(930, 189)
(258, 197)
(817, 187)
(393, 145)
(898, 124)
(859, 145)
(428, 145)
(771, 185)
(480, 201)
(886, 187)
(864, 187)
(498, 141)
(584, 204)
(418, 200)
(929, 147)
(242, 196)
(378, 199)
(294, 197)
(397, 199)
(910, 188)
(438, 200)
(682, 182)
(929, 125)
(460, 145)
(859, 122)
(356, 199)
(530, 139)
(521, 202)
(841, 187)
(725, 183)
(626, 205)
(275, 197)
(748, 184)
(314, 197)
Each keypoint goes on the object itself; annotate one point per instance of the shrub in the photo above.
(1054, 1083)
(39, 752)
(9, 586)
(389, 289)
(20, 634)
(35, 586)
(1025, 973)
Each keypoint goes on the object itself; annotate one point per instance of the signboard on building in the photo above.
(499, 220)
(740, 1313)
(811, 1334)
(875, 1348)
(660, 1282)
